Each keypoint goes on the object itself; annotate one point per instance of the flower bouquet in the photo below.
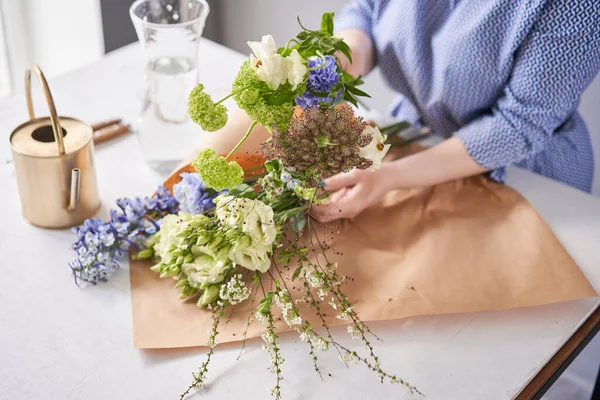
(229, 234)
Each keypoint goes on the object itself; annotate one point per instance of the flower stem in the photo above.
(232, 93)
(318, 67)
(288, 44)
(242, 140)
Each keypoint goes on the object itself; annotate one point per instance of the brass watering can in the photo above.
(54, 163)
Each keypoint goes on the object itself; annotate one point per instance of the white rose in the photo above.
(270, 67)
(250, 255)
(208, 267)
(297, 69)
(376, 150)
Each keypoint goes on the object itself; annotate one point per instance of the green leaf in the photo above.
(242, 191)
(273, 165)
(266, 303)
(348, 97)
(327, 23)
(278, 97)
(298, 221)
(322, 141)
(296, 272)
(256, 277)
(349, 80)
(356, 91)
(318, 94)
(394, 128)
(285, 257)
(343, 48)
(303, 35)
(286, 52)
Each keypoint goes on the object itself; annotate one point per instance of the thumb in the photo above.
(339, 181)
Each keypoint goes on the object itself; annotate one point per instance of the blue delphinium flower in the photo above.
(101, 245)
(289, 180)
(192, 195)
(320, 80)
(98, 248)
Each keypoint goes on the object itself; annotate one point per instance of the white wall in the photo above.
(58, 35)
(241, 21)
(5, 78)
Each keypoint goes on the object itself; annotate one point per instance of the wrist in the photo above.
(388, 177)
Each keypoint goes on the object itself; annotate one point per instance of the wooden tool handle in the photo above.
(106, 134)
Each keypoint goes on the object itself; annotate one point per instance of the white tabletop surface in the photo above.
(59, 341)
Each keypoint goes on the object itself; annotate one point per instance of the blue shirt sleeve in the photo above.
(552, 68)
(357, 14)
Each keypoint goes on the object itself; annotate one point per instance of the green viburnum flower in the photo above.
(204, 111)
(267, 107)
(216, 172)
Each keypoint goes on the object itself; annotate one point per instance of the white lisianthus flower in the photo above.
(252, 217)
(376, 150)
(210, 294)
(208, 267)
(297, 69)
(250, 255)
(254, 220)
(270, 67)
(169, 235)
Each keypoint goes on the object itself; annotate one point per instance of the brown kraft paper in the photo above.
(463, 246)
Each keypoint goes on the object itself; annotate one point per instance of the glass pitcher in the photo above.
(169, 32)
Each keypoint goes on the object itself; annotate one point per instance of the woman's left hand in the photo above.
(355, 191)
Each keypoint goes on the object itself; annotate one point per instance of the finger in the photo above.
(339, 181)
(327, 212)
(347, 206)
(324, 213)
(337, 196)
(350, 204)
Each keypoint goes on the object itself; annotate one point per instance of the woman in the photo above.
(501, 79)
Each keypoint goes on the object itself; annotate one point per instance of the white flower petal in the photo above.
(297, 69)
(270, 67)
(376, 149)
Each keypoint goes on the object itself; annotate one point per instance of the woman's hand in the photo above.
(357, 190)
(354, 192)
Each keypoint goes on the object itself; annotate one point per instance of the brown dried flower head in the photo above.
(320, 142)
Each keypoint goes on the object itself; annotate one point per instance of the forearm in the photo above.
(447, 161)
(362, 52)
(226, 138)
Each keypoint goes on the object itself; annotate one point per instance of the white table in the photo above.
(58, 341)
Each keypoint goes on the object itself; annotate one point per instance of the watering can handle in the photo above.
(71, 190)
(58, 136)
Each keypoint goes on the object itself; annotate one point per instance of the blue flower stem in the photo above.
(242, 140)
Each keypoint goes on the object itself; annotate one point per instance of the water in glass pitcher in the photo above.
(166, 132)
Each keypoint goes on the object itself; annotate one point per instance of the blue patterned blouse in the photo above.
(505, 76)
